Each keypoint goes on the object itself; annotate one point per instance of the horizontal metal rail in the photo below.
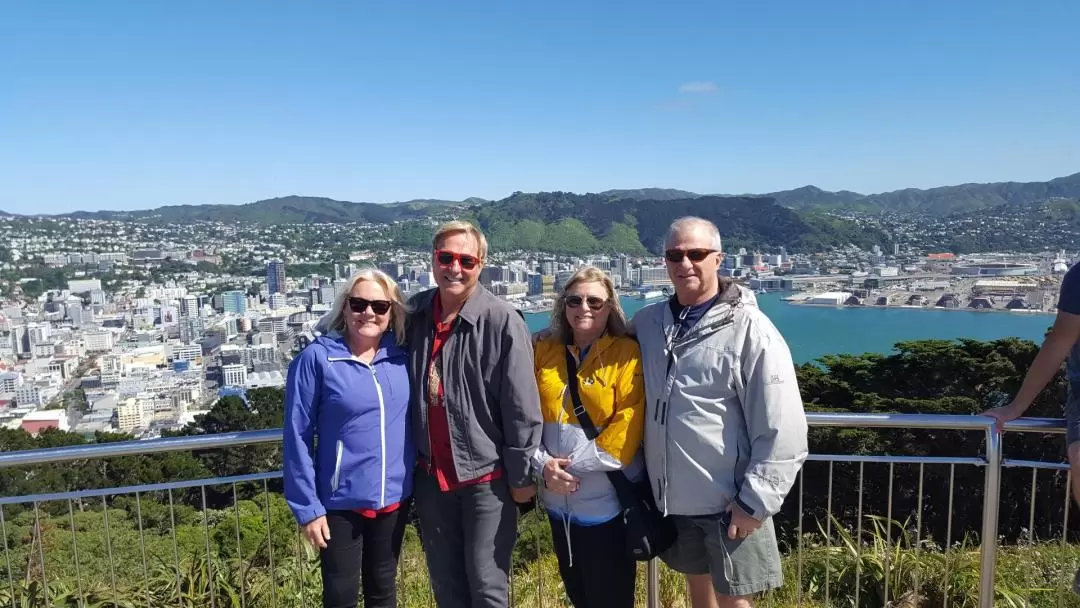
(139, 489)
(138, 448)
(242, 438)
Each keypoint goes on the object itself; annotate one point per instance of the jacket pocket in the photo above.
(335, 479)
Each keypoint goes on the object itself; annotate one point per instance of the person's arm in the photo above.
(301, 419)
(1059, 342)
(541, 456)
(775, 421)
(1055, 348)
(614, 448)
(519, 402)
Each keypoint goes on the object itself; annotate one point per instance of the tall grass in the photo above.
(889, 567)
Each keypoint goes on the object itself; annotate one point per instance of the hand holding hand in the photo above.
(557, 479)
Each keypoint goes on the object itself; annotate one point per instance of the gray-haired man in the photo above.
(725, 431)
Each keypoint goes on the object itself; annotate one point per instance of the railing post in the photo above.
(991, 501)
(652, 584)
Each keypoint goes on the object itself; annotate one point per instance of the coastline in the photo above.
(1024, 311)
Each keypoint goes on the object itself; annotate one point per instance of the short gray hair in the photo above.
(691, 221)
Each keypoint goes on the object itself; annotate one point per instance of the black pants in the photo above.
(603, 574)
(362, 548)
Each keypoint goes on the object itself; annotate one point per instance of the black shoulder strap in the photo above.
(623, 487)
(579, 410)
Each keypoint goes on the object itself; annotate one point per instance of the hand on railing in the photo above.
(1004, 415)
(317, 532)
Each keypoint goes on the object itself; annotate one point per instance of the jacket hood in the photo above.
(730, 290)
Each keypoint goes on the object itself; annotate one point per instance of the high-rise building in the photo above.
(275, 276)
(536, 283)
(191, 329)
(234, 302)
(189, 306)
(327, 294)
(394, 269)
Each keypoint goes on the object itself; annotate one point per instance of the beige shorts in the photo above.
(738, 567)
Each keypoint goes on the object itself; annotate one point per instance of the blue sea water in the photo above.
(813, 331)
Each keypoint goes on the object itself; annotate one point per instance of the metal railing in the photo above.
(992, 460)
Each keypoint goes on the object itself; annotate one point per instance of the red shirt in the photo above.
(442, 457)
(372, 513)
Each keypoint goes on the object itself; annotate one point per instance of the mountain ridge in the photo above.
(938, 201)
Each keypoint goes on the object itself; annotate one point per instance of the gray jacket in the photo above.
(489, 385)
(724, 420)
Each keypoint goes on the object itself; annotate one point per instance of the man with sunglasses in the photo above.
(725, 431)
(476, 423)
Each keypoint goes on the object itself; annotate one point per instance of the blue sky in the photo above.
(131, 105)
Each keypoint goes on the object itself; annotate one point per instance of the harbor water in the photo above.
(813, 331)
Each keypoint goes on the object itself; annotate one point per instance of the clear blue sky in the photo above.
(128, 104)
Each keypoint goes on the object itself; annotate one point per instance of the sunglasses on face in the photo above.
(446, 258)
(696, 255)
(593, 302)
(379, 307)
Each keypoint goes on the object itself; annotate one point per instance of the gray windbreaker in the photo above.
(724, 419)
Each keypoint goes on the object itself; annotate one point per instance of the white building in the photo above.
(10, 382)
(28, 394)
(98, 341)
(234, 374)
(265, 379)
(186, 352)
(84, 285)
(111, 369)
(830, 298)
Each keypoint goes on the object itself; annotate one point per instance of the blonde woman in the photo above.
(583, 508)
(350, 389)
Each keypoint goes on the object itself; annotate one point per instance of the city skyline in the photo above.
(132, 107)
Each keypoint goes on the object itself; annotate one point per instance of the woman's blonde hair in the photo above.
(616, 322)
(335, 319)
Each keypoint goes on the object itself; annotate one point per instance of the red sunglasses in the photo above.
(447, 258)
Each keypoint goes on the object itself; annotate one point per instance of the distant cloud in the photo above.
(703, 86)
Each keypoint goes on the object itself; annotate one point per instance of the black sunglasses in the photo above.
(379, 307)
(696, 255)
(446, 258)
(594, 302)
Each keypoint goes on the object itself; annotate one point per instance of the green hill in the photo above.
(282, 210)
(947, 200)
(584, 223)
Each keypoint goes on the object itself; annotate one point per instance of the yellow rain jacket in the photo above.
(612, 390)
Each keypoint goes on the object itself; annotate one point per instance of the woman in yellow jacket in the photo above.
(582, 506)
